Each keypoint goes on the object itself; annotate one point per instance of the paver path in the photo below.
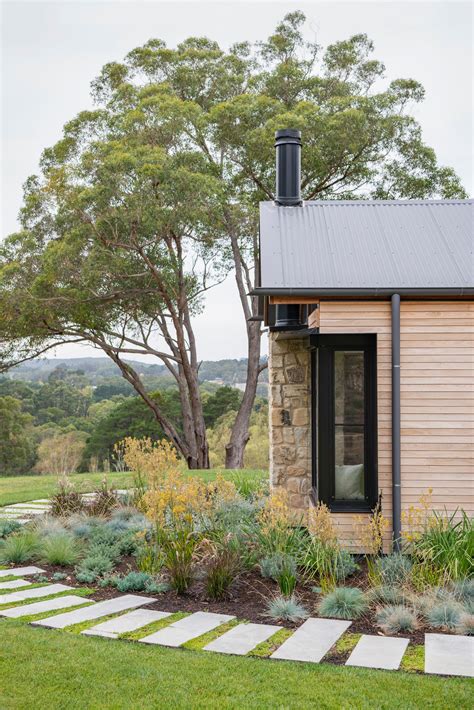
(20, 571)
(378, 652)
(15, 584)
(34, 593)
(109, 606)
(449, 655)
(312, 640)
(186, 629)
(47, 605)
(242, 638)
(127, 622)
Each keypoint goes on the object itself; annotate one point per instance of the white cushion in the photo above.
(350, 482)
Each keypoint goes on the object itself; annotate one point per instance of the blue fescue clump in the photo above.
(394, 569)
(286, 609)
(344, 603)
(444, 616)
(394, 619)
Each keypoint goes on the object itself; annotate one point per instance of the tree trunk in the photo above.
(234, 450)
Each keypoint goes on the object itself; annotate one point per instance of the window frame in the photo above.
(323, 419)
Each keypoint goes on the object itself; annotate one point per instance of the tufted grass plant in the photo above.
(465, 625)
(343, 603)
(20, 547)
(282, 608)
(61, 549)
(446, 615)
(395, 619)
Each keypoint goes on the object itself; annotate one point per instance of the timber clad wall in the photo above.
(437, 402)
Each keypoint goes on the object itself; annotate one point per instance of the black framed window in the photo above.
(345, 421)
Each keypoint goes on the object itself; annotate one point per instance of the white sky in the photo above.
(51, 51)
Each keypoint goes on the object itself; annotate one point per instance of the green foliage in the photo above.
(96, 564)
(17, 451)
(386, 595)
(222, 566)
(19, 547)
(396, 619)
(66, 500)
(7, 527)
(321, 561)
(286, 609)
(61, 549)
(446, 547)
(250, 484)
(225, 399)
(134, 582)
(346, 565)
(445, 616)
(343, 603)
(282, 568)
(393, 569)
(465, 625)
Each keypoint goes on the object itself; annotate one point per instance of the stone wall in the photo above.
(290, 418)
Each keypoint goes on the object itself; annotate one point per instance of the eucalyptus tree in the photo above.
(179, 152)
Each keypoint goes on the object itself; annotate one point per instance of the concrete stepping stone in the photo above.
(186, 629)
(449, 655)
(31, 504)
(35, 593)
(26, 511)
(15, 584)
(312, 640)
(127, 622)
(378, 652)
(242, 638)
(41, 500)
(104, 608)
(20, 571)
(46, 605)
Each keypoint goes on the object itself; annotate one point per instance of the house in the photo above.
(370, 308)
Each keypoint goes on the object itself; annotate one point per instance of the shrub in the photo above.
(58, 576)
(320, 561)
(286, 609)
(133, 582)
(86, 576)
(7, 527)
(66, 500)
(80, 525)
(396, 618)
(104, 500)
(386, 595)
(444, 616)
(59, 549)
(153, 587)
(97, 564)
(278, 529)
(345, 565)
(281, 568)
(343, 603)
(394, 569)
(446, 545)
(465, 625)
(464, 589)
(19, 547)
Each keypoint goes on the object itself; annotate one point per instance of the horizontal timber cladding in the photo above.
(437, 397)
(437, 403)
(368, 317)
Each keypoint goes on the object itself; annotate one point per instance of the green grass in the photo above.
(198, 643)
(413, 659)
(266, 648)
(153, 627)
(21, 489)
(41, 668)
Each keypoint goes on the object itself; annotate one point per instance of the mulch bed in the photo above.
(247, 599)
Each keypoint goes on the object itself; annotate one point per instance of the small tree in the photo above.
(61, 454)
(17, 449)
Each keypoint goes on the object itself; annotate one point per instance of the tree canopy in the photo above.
(150, 199)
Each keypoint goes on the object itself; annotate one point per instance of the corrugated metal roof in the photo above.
(370, 244)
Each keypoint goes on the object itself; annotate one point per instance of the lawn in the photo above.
(41, 668)
(18, 489)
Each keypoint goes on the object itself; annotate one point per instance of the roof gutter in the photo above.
(380, 292)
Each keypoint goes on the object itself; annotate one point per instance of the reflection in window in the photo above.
(349, 413)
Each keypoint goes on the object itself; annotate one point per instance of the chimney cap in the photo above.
(287, 135)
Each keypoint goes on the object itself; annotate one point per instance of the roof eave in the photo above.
(362, 292)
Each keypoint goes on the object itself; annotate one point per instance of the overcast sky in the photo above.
(51, 51)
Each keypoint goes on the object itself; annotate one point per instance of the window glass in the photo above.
(349, 417)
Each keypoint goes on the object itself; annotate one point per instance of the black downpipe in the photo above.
(396, 468)
(288, 194)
